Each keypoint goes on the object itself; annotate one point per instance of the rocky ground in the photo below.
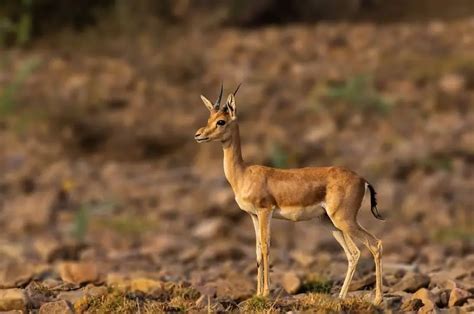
(108, 205)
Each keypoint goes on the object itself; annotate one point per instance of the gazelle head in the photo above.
(221, 119)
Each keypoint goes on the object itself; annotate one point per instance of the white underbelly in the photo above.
(293, 213)
(298, 213)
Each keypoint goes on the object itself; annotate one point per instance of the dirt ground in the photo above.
(107, 203)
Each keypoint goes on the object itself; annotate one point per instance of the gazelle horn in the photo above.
(217, 104)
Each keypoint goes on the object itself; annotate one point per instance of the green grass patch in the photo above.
(316, 284)
(128, 224)
(256, 304)
(361, 93)
(449, 234)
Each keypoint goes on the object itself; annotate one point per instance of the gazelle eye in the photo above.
(220, 122)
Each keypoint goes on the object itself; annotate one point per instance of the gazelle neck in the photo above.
(233, 162)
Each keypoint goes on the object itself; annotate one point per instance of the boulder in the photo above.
(411, 282)
(71, 296)
(362, 283)
(12, 299)
(291, 282)
(146, 285)
(427, 298)
(458, 297)
(57, 307)
(78, 272)
(14, 274)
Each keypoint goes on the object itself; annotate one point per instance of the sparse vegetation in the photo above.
(360, 92)
(316, 284)
(174, 298)
(8, 92)
(256, 304)
(322, 303)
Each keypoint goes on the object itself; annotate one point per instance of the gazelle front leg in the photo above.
(264, 218)
(258, 249)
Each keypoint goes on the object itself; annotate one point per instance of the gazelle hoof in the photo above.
(378, 300)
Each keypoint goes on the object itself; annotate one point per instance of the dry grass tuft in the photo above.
(256, 304)
(323, 303)
(174, 298)
(316, 283)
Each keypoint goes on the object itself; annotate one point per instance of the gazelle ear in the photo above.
(207, 102)
(230, 106)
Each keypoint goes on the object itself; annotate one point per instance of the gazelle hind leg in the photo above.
(375, 247)
(352, 254)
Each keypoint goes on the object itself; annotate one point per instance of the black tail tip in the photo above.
(373, 202)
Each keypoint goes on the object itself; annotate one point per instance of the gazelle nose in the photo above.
(197, 135)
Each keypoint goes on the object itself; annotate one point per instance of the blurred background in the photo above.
(99, 103)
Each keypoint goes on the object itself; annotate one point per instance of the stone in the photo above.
(12, 299)
(14, 274)
(96, 291)
(57, 307)
(30, 211)
(411, 282)
(209, 228)
(146, 285)
(411, 305)
(234, 286)
(219, 251)
(452, 83)
(302, 258)
(458, 297)
(392, 301)
(291, 282)
(118, 281)
(362, 283)
(72, 297)
(37, 294)
(78, 272)
(469, 306)
(427, 298)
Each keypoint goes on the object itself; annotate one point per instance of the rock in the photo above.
(146, 285)
(31, 211)
(96, 291)
(302, 258)
(12, 299)
(219, 251)
(444, 298)
(411, 305)
(458, 297)
(57, 307)
(37, 294)
(234, 286)
(393, 301)
(209, 228)
(452, 83)
(411, 282)
(428, 299)
(78, 272)
(71, 296)
(362, 283)
(51, 283)
(469, 306)
(118, 281)
(14, 274)
(291, 282)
